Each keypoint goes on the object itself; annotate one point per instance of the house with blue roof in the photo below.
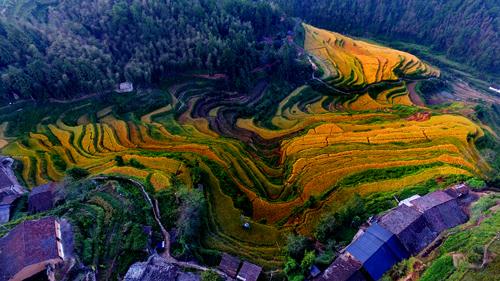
(378, 250)
(398, 234)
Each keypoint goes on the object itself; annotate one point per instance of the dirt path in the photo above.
(414, 96)
(166, 236)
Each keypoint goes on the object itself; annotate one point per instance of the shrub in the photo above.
(439, 270)
(119, 161)
(307, 261)
(297, 246)
(341, 224)
(136, 164)
(476, 183)
(77, 173)
(210, 275)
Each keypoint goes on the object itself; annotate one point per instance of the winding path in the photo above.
(166, 236)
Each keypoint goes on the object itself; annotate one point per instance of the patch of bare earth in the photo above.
(414, 96)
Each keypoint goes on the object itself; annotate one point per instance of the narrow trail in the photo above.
(414, 96)
(166, 236)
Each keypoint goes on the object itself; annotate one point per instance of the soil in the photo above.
(414, 96)
(420, 116)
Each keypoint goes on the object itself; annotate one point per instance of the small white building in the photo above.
(495, 89)
(125, 87)
(407, 201)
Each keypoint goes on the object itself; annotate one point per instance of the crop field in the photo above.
(355, 63)
(315, 145)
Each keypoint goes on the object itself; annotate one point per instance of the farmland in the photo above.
(316, 145)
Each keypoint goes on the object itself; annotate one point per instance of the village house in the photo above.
(344, 268)
(440, 210)
(32, 247)
(10, 189)
(378, 250)
(125, 87)
(249, 272)
(409, 226)
(229, 265)
(42, 198)
(398, 234)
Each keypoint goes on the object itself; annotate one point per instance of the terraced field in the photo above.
(351, 63)
(317, 144)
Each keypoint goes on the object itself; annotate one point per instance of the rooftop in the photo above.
(431, 200)
(407, 201)
(249, 272)
(229, 265)
(29, 243)
(399, 218)
(344, 268)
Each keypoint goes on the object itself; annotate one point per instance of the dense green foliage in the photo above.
(340, 225)
(466, 31)
(210, 275)
(184, 211)
(107, 221)
(88, 46)
(440, 270)
(77, 173)
(300, 256)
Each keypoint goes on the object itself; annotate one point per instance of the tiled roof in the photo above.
(344, 268)
(431, 200)
(8, 199)
(30, 242)
(399, 218)
(229, 265)
(249, 272)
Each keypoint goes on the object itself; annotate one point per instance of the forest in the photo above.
(65, 49)
(69, 48)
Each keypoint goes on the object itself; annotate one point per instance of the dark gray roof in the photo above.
(249, 271)
(344, 268)
(30, 242)
(375, 238)
(399, 218)
(229, 265)
(431, 200)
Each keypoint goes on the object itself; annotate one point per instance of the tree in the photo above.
(192, 212)
(307, 261)
(297, 246)
(77, 173)
(210, 275)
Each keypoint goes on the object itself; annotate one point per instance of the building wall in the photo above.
(417, 235)
(445, 216)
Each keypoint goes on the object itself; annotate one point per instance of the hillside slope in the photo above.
(466, 31)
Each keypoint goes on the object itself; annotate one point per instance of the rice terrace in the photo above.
(271, 160)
